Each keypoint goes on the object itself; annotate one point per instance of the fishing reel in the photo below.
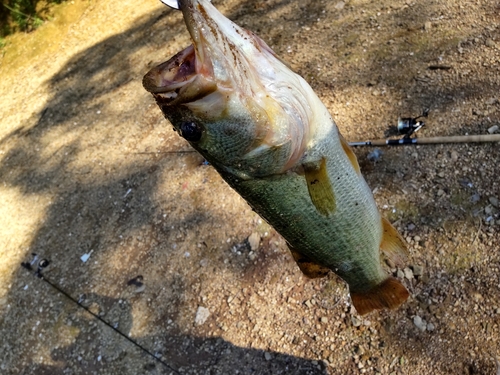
(410, 125)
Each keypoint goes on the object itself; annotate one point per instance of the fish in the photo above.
(269, 136)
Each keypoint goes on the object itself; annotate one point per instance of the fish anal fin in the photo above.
(320, 187)
(309, 268)
(393, 245)
(350, 154)
(389, 294)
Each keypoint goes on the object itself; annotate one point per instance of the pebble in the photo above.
(476, 197)
(430, 327)
(493, 129)
(441, 174)
(355, 321)
(324, 320)
(400, 274)
(411, 227)
(375, 155)
(408, 273)
(254, 241)
(427, 25)
(440, 192)
(268, 356)
(202, 315)
(340, 5)
(454, 156)
(418, 270)
(494, 201)
(490, 43)
(420, 323)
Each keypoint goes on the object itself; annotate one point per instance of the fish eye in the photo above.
(191, 131)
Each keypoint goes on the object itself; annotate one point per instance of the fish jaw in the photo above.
(234, 86)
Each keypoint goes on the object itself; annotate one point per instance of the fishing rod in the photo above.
(43, 263)
(430, 140)
(410, 125)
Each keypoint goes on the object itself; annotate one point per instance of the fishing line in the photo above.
(38, 273)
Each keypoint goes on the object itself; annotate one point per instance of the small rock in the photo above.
(420, 323)
(494, 201)
(490, 43)
(140, 289)
(400, 274)
(416, 238)
(418, 270)
(441, 174)
(493, 129)
(254, 241)
(411, 227)
(355, 321)
(375, 155)
(359, 350)
(202, 315)
(440, 192)
(340, 5)
(268, 356)
(308, 304)
(454, 156)
(476, 197)
(427, 26)
(488, 210)
(477, 297)
(408, 273)
(430, 327)
(324, 320)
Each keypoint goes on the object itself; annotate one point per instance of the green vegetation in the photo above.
(22, 15)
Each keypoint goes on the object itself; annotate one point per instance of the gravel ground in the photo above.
(89, 168)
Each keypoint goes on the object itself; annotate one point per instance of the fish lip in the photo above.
(172, 74)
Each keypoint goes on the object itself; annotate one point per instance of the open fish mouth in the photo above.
(173, 74)
(189, 75)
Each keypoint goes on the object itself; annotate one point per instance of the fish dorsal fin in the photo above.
(393, 245)
(308, 267)
(320, 187)
(350, 154)
(389, 294)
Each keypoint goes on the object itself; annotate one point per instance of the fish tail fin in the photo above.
(389, 294)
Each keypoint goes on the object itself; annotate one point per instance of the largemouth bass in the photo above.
(270, 137)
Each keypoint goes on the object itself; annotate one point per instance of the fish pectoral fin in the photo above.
(320, 187)
(308, 267)
(393, 245)
(350, 154)
(389, 294)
